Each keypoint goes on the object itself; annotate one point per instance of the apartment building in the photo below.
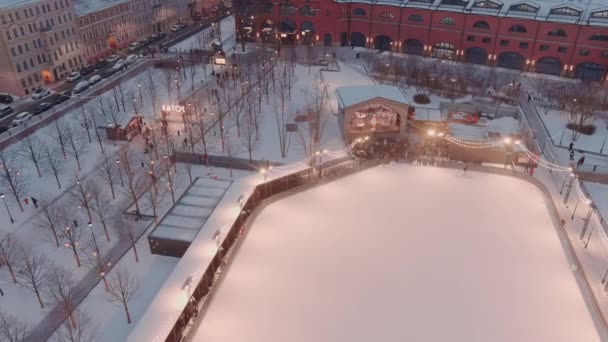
(105, 27)
(153, 16)
(39, 43)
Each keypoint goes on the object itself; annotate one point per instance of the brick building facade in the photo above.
(561, 38)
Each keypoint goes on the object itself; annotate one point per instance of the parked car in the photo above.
(112, 59)
(40, 93)
(42, 107)
(101, 64)
(80, 87)
(176, 28)
(21, 118)
(153, 38)
(197, 18)
(6, 110)
(73, 76)
(108, 72)
(144, 42)
(4, 129)
(94, 80)
(119, 65)
(61, 97)
(130, 59)
(134, 46)
(161, 35)
(183, 25)
(6, 98)
(87, 70)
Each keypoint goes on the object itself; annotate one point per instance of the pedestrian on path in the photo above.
(1, 292)
(26, 201)
(529, 98)
(35, 201)
(571, 154)
(571, 146)
(464, 169)
(580, 162)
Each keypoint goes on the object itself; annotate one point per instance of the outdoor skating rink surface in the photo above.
(402, 253)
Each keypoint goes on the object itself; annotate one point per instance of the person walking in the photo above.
(26, 201)
(571, 146)
(529, 98)
(580, 162)
(571, 154)
(464, 169)
(35, 202)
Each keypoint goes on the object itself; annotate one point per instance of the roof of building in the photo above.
(15, 3)
(349, 96)
(594, 12)
(84, 7)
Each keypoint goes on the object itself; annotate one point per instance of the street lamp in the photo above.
(122, 183)
(265, 173)
(7, 210)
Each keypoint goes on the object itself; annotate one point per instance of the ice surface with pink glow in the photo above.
(402, 253)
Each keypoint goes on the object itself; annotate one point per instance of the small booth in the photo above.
(129, 126)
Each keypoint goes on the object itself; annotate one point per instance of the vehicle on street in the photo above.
(119, 65)
(73, 76)
(4, 129)
(87, 70)
(101, 64)
(134, 46)
(144, 42)
(176, 28)
(94, 80)
(80, 87)
(131, 59)
(42, 107)
(21, 118)
(108, 72)
(40, 93)
(197, 18)
(6, 98)
(112, 59)
(183, 25)
(61, 97)
(161, 35)
(6, 110)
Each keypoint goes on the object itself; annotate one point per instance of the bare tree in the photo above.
(80, 194)
(151, 88)
(50, 218)
(284, 75)
(12, 329)
(59, 135)
(130, 230)
(97, 261)
(168, 80)
(108, 172)
(231, 149)
(101, 207)
(249, 134)
(76, 145)
(133, 176)
(11, 178)
(53, 162)
(84, 122)
(152, 198)
(123, 288)
(98, 135)
(34, 273)
(71, 235)
(31, 149)
(82, 329)
(311, 132)
(10, 252)
(62, 289)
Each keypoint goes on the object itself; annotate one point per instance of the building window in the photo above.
(8, 35)
(583, 52)
(307, 11)
(604, 54)
(359, 11)
(544, 47)
(388, 15)
(447, 21)
(566, 11)
(482, 25)
(486, 40)
(504, 42)
(415, 17)
(523, 45)
(600, 14)
(557, 33)
(599, 37)
(524, 8)
(36, 78)
(23, 83)
(518, 29)
(13, 52)
(18, 67)
(471, 38)
(562, 49)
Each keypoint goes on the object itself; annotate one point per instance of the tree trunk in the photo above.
(127, 312)
(105, 229)
(39, 298)
(12, 272)
(57, 179)
(135, 251)
(76, 255)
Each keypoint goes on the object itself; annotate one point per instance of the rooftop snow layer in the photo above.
(84, 7)
(349, 96)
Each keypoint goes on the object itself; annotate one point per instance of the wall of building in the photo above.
(39, 44)
(498, 40)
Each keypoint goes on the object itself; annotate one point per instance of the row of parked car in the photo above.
(146, 41)
(119, 64)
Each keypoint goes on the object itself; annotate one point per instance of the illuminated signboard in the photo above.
(173, 108)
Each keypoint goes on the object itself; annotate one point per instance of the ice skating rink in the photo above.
(402, 253)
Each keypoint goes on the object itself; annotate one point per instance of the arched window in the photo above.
(518, 29)
(359, 11)
(307, 11)
(447, 21)
(415, 17)
(482, 25)
(557, 33)
(599, 37)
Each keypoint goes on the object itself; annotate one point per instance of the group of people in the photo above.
(431, 152)
(381, 148)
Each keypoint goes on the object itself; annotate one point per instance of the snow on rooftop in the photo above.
(579, 11)
(352, 95)
(84, 7)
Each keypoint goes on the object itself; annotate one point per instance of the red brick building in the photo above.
(568, 37)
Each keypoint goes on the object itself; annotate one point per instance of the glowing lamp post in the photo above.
(122, 183)
(7, 209)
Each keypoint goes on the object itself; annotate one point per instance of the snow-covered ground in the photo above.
(556, 121)
(203, 39)
(396, 254)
